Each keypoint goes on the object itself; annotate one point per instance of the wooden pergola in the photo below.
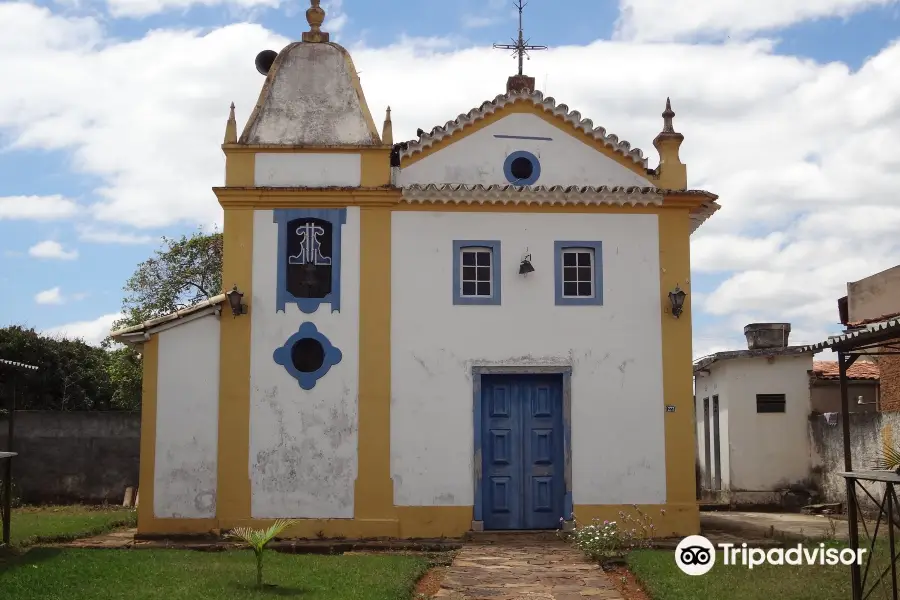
(6, 457)
(874, 339)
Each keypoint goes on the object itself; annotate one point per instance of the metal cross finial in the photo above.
(521, 46)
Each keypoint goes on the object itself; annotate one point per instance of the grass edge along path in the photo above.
(57, 524)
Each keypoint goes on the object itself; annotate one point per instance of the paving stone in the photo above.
(540, 570)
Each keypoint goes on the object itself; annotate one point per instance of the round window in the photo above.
(522, 168)
(308, 355)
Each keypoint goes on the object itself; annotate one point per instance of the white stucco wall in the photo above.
(767, 451)
(707, 386)
(303, 444)
(618, 453)
(479, 157)
(187, 420)
(307, 169)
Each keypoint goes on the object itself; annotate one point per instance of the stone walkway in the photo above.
(523, 571)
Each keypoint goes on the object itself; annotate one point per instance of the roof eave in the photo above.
(140, 333)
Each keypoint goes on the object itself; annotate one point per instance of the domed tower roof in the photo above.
(311, 96)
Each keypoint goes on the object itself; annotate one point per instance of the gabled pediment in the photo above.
(523, 139)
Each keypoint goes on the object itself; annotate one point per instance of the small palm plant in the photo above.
(888, 459)
(257, 539)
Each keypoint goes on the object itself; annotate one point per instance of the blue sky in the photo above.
(62, 148)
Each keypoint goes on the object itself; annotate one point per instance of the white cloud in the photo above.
(35, 208)
(478, 21)
(144, 8)
(52, 249)
(51, 296)
(664, 20)
(92, 332)
(799, 152)
(105, 235)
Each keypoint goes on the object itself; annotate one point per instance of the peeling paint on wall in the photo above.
(303, 444)
(187, 421)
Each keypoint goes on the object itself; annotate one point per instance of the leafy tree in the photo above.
(183, 272)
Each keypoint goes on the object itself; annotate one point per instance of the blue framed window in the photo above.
(522, 168)
(309, 258)
(578, 273)
(476, 272)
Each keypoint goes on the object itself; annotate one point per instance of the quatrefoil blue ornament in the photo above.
(307, 355)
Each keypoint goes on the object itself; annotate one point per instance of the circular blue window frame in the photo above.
(535, 168)
(307, 381)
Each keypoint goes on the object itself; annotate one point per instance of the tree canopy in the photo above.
(74, 375)
(181, 273)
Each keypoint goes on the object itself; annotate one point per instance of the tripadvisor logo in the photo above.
(696, 555)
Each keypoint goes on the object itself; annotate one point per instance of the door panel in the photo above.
(522, 446)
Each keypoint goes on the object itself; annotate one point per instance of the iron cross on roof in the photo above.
(521, 46)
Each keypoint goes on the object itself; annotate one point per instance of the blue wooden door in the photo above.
(522, 451)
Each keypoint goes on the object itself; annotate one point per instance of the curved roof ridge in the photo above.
(489, 107)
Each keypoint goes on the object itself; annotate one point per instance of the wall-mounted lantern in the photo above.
(234, 300)
(526, 267)
(676, 297)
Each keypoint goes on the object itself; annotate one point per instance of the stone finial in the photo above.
(672, 173)
(231, 127)
(387, 134)
(667, 116)
(315, 16)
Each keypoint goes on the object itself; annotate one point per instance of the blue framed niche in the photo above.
(307, 356)
(309, 258)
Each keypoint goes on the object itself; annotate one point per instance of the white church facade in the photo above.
(482, 328)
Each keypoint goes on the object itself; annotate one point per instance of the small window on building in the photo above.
(770, 403)
(579, 273)
(476, 272)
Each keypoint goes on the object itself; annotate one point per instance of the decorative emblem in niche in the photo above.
(522, 168)
(307, 355)
(309, 258)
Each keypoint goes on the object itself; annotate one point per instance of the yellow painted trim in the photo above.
(150, 363)
(272, 198)
(675, 269)
(234, 149)
(376, 168)
(679, 520)
(240, 169)
(434, 521)
(527, 107)
(413, 522)
(374, 489)
(233, 495)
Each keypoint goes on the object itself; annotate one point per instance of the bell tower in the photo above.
(307, 202)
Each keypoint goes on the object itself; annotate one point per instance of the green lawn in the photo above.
(32, 525)
(661, 578)
(73, 574)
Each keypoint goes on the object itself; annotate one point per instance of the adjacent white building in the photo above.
(751, 409)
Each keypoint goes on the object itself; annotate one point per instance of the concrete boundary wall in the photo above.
(69, 457)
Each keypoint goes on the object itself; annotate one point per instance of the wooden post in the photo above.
(7, 475)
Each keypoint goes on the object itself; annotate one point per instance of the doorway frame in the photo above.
(477, 372)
